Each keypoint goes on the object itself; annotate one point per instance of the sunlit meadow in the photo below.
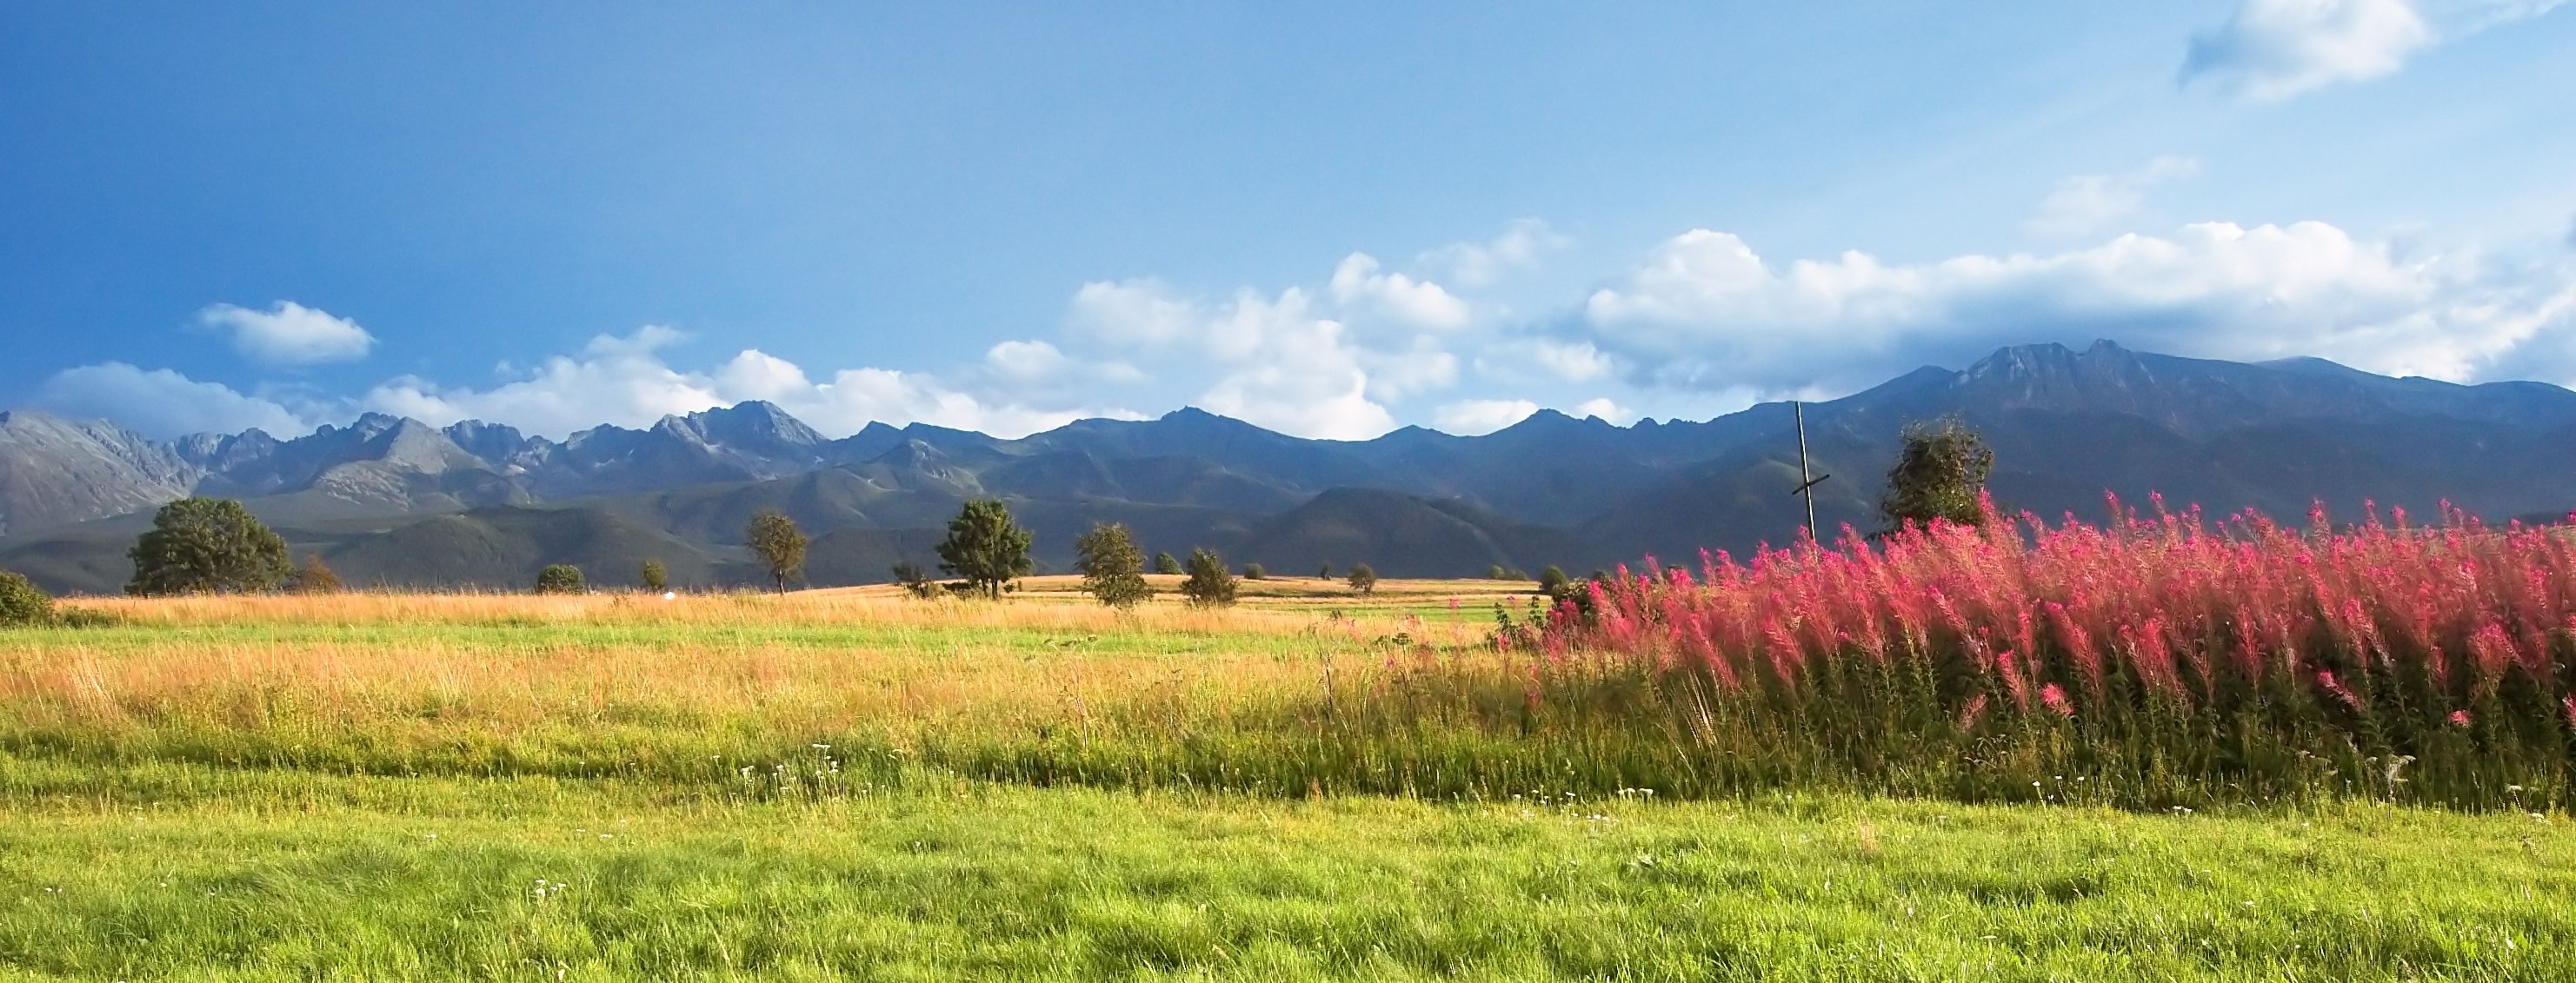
(2158, 750)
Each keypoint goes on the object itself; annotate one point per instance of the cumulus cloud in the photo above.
(162, 403)
(1357, 284)
(1706, 312)
(1279, 362)
(289, 333)
(1479, 264)
(1608, 411)
(1475, 417)
(2087, 202)
(2274, 49)
(1549, 359)
(625, 380)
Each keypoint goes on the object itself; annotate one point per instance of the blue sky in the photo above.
(1329, 220)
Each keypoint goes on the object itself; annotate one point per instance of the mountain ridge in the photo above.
(2068, 425)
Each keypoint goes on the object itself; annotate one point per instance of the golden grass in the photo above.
(383, 670)
(1274, 606)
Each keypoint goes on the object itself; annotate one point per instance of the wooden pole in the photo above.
(1806, 485)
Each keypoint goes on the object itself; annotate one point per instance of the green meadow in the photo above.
(849, 785)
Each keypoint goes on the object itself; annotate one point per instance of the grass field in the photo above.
(849, 784)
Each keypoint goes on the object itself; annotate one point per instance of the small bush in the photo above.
(561, 578)
(22, 603)
(915, 580)
(1253, 571)
(314, 577)
(1164, 564)
(654, 576)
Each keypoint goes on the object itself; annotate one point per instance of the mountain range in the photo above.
(394, 501)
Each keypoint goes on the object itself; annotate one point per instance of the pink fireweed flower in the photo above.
(1970, 714)
(2460, 719)
(2012, 679)
(2054, 697)
(2335, 688)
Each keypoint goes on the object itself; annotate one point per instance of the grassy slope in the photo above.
(178, 874)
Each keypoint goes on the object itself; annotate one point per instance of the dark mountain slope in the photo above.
(505, 547)
(1397, 535)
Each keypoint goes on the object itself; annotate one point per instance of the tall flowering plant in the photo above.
(2165, 651)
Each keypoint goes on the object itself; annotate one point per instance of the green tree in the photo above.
(1209, 585)
(1363, 579)
(314, 577)
(1164, 564)
(654, 576)
(22, 602)
(1553, 581)
(1254, 571)
(206, 545)
(1112, 568)
(779, 544)
(561, 578)
(985, 547)
(1326, 573)
(1496, 572)
(1940, 474)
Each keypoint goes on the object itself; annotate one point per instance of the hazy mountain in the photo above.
(55, 472)
(2067, 425)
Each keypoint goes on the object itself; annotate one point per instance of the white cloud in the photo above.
(1608, 411)
(162, 403)
(1475, 417)
(1478, 264)
(1278, 363)
(1395, 376)
(2087, 202)
(1292, 371)
(2274, 49)
(1357, 284)
(624, 380)
(1705, 312)
(289, 333)
(1131, 312)
(1513, 361)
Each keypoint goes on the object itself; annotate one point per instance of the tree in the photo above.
(314, 577)
(914, 579)
(1325, 573)
(1553, 582)
(206, 545)
(561, 578)
(1112, 568)
(779, 544)
(985, 547)
(22, 603)
(1254, 571)
(1940, 474)
(1209, 585)
(654, 576)
(1363, 579)
(1496, 572)
(1164, 564)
